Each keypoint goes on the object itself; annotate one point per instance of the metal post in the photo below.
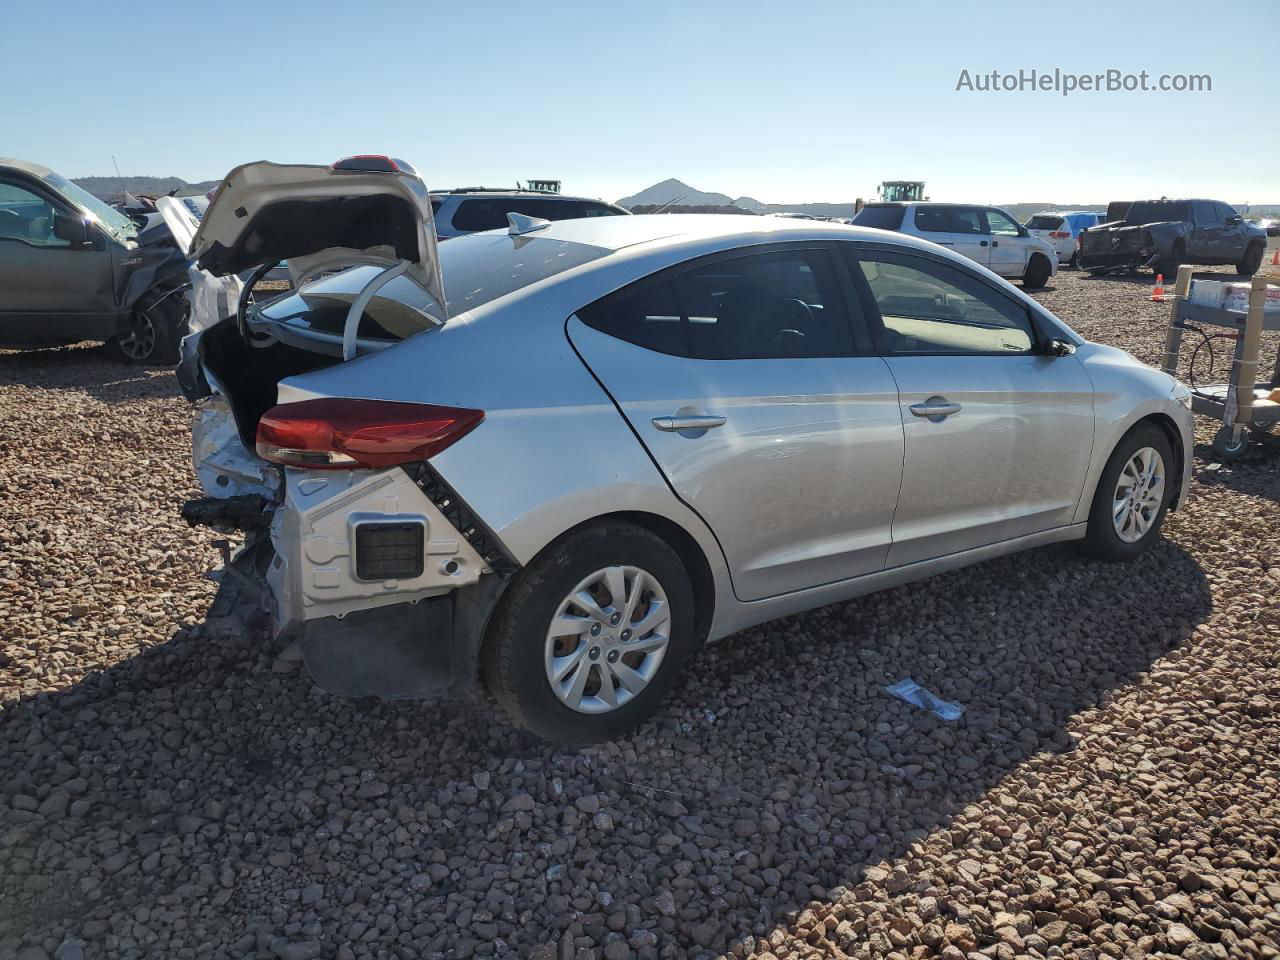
(1174, 340)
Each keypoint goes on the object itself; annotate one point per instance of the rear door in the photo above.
(959, 228)
(764, 406)
(998, 434)
(49, 289)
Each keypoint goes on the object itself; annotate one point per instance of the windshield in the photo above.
(113, 220)
(1156, 211)
(477, 269)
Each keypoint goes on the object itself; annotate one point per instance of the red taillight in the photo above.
(339, 434)
(1060, 234)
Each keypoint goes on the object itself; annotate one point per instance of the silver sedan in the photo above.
(603, 442)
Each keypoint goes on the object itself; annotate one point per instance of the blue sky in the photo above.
(786, 102)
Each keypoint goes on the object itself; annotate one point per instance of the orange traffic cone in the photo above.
(1275, 258)
(1157, 295)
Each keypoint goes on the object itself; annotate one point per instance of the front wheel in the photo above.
(154, 332)
(1037, 274)
(1251, 262)
(1132, 495)
(590, 637)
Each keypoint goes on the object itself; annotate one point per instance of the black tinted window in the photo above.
(968, 220)
(1225, 211)
(756, 307)
(934, 219)
(1157, 211)
(1204, 214)
(1041, 222)
(929, 307)
(645, 315)
(490, 213)
(880, 216)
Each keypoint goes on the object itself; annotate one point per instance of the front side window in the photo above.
(762, 306)
(1001, 225)
(928, 308)
(1205, 216)
(26, 216)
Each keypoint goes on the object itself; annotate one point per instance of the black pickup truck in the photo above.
(1164, 234)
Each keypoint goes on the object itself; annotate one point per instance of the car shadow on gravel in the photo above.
(194, 781)
(85, 368)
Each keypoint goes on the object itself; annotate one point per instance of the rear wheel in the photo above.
(1132, 495)
(1074, 262)
(591, 636)
(154, 332)
(1251, 262)
(1037, 273)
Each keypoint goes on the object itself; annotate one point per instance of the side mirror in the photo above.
(1235, 221)
(75, 230)
(1057, 347)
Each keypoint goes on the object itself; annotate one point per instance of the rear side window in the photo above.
(762, 306)
(881, 216)
(967, 220)
(490, 213)
(934, 220)
(930, 308)
(1205, 215)
(1044, 223)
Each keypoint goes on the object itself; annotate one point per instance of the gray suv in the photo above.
(472, 209)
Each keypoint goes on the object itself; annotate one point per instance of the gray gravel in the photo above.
(1112, 790)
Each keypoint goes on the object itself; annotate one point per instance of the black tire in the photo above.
(1252, 260)
(155, 332)
(515, 667)
(1168, 265)
(1102, 540)
(1074, 262)
(1037, 273)
(1226, 445)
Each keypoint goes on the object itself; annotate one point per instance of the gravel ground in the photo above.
(1113, 788)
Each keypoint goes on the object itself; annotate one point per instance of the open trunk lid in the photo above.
(371, 210)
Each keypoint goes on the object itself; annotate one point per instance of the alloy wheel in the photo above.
(140, 341)
(607, 639)
(1139, 493)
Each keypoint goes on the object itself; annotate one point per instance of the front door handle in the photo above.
(982, 243)
(687, 422)
(935, 409)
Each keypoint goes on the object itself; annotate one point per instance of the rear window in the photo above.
(1157, 211)
(490, 213)
(476, 270)
(880, 216)
(1044, 223)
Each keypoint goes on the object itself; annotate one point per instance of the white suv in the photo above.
(986, 235)
(470, 210)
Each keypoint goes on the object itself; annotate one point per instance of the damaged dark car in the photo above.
(73, 268)
(1164, 234)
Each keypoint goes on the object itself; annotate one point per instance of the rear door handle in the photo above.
(935, 409)
(686, 422)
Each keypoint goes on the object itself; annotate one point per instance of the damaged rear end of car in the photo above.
(354, 548)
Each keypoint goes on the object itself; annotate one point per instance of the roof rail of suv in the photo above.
(550, 193)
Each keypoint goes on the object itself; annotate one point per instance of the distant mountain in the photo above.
(675, 191)
(108, 188)
(749, 203)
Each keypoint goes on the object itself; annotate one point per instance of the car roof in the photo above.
(26, 166)
(719, 229)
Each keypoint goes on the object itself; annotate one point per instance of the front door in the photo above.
(998, 434)
(763, 406)
(48, 288)
(1205, 244)
(1008, 245)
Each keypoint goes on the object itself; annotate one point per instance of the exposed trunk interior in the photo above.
(250, 374)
